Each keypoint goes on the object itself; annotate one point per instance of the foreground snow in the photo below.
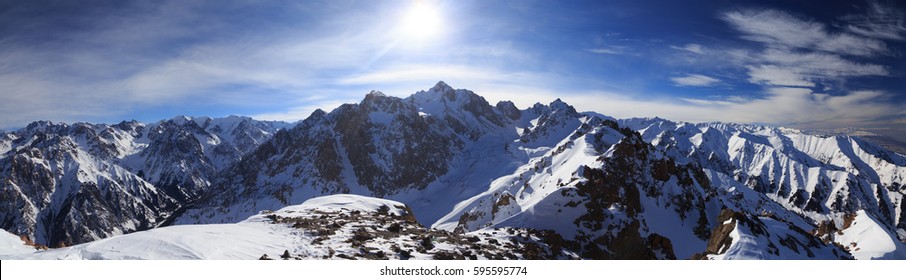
(249, 239)
(10, 244)
(245, 240)
(330, 227)
(870, 240)
(343, 202)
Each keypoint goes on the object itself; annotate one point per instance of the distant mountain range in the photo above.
(536, 183)
(869, 135)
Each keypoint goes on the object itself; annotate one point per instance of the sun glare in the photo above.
(421, 22)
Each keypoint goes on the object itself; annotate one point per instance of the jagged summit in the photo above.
(441, 87)
(509, 110)
(560, 105)
(317, 114)
(375, 93)
(440, 91)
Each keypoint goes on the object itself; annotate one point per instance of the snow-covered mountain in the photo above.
(68, 184)
(418, 149)
(869, 135)
(819, 177)
(548, 180)
(464, 165)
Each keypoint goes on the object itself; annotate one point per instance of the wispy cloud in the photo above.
(777, 76)
(820, 65)
(694, 80)
(880, 21)
(609, 50)
(797, 52)
(693, 48)
(778, 29)
(790, 58)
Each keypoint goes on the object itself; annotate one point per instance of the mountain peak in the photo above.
(441, 86)
(509, 109)
(557, 105)
(41, 125)
(181, 118)
(378, 101)
(375, 93)
(317, 114)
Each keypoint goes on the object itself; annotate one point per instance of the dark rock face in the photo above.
(172, 147)
(52, 197)
(661, 246)
(383, 145)
(552, 117)
(504, 200)
(623, 183)
(509, 110)
(720, 236)
(756, 229)
(406, 151)
(902, 223)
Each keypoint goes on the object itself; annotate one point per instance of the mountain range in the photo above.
(444, 174)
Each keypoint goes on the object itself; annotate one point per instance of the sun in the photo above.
(421, 22)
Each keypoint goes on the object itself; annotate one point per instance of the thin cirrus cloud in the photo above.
(782, 30)
(881, 22)
(607, 50)
(792, 55)
(800, 52)
(777, 76)
(789, 57)
(693, 48)
(694, 80)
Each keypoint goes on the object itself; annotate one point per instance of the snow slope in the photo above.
(11, 244)
(869, 239)
(335, 227)
(344, 202)
(214, 241)
(248, 239)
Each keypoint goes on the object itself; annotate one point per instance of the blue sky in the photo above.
(801, 64)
